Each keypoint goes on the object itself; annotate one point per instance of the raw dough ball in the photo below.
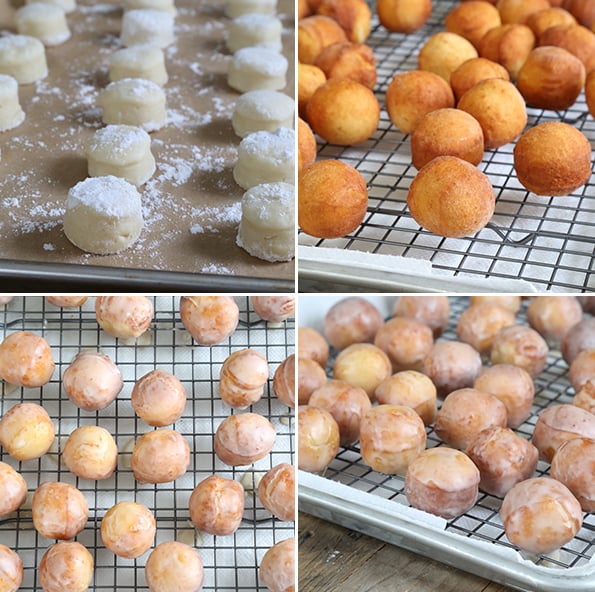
(66, 567)
(235, 8)
(267, 226)
(582, 369)
(446, 132)
(209, 319)
(517, 11)
(310, 377)
(552, 158)
(11, 113)
(23, 57)
(90, 453)
(124, 316)
(573, 465)
(67, 301)
(508, 45)
(66, 5)
(520, 346)
(276, 491)
(174, 567)
(332, 199)
(92, 381)
(46, 22)
(277, 568)
(442, 481)
(318, 439)
(145, 25)
(405, 341)
(160, 456)
(122, 151)
(158, 398)
(479, 324)
(351, 320)
(274, 309)
(266, 157)
(451, 197)
(402, 16)
(262, 110)
(312, 345)
(284, 381)
(244, 438)
(391, 437)
(306, 145)
(410, 389)
(469, 73)
(503, 459)
(217, 505)
(510, 302)
(165, 5)
(354, 16)
(346, 403)
(13, 490)
(26, 431)
(314, 34)
(343, 112)
(553, 316)
(310, 77)
(540, 515)
(242, 378)
(103, 215)
(499, 108)
(26, 360)
(452, 365)
(254, 30)
(128, 529)
(579, 337)
(134, 101)
(513, 386)
(472, 20)
(60, 510)
(257, 68)
(354, 61)
(433, 311)
(444, 52)
(11, 569)
(138, 61)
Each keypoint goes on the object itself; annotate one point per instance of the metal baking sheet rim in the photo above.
(424, 534)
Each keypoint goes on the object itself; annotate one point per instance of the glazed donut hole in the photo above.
(209, 319)
(90, 452)
(553, 316)
(284, 381)
(277, 568)
(585, 398)
(26, 360)
(509, 302)
(160, 456)
(311, 376)
(479, 324)
(242, 378)
(124, 317)
(66, 567)
(318, 438)
(578, 338)
(276, 491)
(13, 490)
(174, 566)
(312, 345)
(158, 398)
(274, 309)
(67, 301)
(588, 303)
(11, 570)
(433, 311)
(26, 431)
(520, 346)
(128, 529)
(582, 369)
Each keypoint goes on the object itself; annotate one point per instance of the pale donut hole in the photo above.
(26, 431)
(124, 316)
(284, 381)
(276, 491)
(138, 61)
(11, 570)
(44, 21)
(26, 360)
(145, 25)
(236, 8)
(274, 309)
(158, 398)
(66, 567)
(262, 110)
(243, 377)
(174, 567)
(318, 438)
(254, 30)
(351, 320)
(128, 529)
(160, 456)
(23, 57)
(277, 568)
(66, 5)
(253, 68)
(11, 113)
(13, 490)
(90, 453)
(209, 319)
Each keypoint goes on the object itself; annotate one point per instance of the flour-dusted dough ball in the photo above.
(266, 157)
(164, 5)
(128, 529)
(160, 456)
(124, 316)
(158, 398)
(66, 5)
(11, 113)
(26, 431)
(236, 8)
(267, 227)
(26, 360)
(243, 377)
(277, 568)
(134, 101)
(66, 567)
(146, 25)
(122, 151)
(13, 490)
(103, 215)
(254, 30)
(276, 491)
(46, 22)
(253, 68)
(23, 57)
(174, 567)
(209, 319)
(11, 569)
(262, 110)
(139, 61)
(90, 453)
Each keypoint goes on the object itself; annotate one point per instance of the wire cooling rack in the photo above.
(231, 562)
(546, 241)
(482, 522)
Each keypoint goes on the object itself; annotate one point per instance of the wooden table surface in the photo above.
(334, 559)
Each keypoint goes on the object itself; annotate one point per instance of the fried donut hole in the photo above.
(128, 529)
(503, 459)
(276, 491)
(540, 515)
(472, 20)
(160, 456)
(318, 439)
(90, 453)
(209, 319)
(67, 301)
(174, 567)
(391, 437)
(311, 376)
(158, 398)
(510, 302)
(433, 311)
(442, 481)
(469, 73)
(277, 568)
(26, 360)
(582, 369)
(243, 377)
(444, 52)
(11, 569)
(274, 309)
(312, 345)
(124, 316)
(92, 381)
(217, 505)
(479, 324)
(13, 490)
(66, 567)
(585, 398)
(60, 510)
(553, 316)
(244, 438)
(520, 346)
(403, 17)
(509, 45)
(351, 320)
(284, 381)
(578, 338)
(26, 431)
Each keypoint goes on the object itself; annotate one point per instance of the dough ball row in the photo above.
(392, 379)
(92, 382)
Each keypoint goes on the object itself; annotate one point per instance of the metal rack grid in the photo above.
(482, 522)
(231, 562)
(547, 241)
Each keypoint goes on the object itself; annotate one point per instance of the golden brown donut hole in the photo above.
(517, 11)
(510, 302)
(314, 33)
(582, 10)
(469, 73)
(306, 145)
(67, 301)
(354, 16)
(582, 369)
(310, 77)
(542, 20)
(403, 17)
(472, 20)
(444, 52)
(508, 45)
(353, 61)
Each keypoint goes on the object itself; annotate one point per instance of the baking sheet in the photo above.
(231, 562)
(542, 241)
(191, 205)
